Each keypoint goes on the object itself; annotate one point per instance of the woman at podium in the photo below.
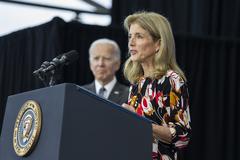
(158, 88)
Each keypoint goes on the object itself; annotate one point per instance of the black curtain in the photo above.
(207, 41)
(212, 71)
(79, 37)
(22, 52)
(209, 62)
(196, 17)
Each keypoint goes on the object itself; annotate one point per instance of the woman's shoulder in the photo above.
(175, 79)
(173, 75)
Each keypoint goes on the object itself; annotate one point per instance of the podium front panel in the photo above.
(77, 124)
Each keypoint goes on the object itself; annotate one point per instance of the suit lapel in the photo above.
(115, 94)
(92, 87)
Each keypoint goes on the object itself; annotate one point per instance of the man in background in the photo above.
(105, 60)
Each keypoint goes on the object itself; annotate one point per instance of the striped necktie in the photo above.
(101, 91)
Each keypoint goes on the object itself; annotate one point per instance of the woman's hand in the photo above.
(162, 133)
(128, 107)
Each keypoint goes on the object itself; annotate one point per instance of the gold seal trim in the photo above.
(27, 128)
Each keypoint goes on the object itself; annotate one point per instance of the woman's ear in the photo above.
(157, 45)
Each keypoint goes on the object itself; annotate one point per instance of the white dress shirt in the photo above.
(108, 87)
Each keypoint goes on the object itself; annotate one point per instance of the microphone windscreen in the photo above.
(70, 56)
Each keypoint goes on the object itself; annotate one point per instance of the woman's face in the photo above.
(141, 46)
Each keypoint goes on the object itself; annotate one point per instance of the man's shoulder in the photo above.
(121, 86)
(89, 86)
(119, 94)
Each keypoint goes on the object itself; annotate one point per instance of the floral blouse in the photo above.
(165, 102)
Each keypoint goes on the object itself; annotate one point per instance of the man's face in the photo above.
(103, 63)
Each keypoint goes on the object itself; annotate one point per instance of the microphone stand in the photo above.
(50, 78)
(43, 79)
(50, 72)
(53, 78)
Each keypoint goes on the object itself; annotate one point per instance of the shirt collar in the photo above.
(109, 86)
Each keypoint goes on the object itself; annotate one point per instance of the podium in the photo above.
(78, 125)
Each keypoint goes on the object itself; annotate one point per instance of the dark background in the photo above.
(207, 43)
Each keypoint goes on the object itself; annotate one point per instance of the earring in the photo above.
(128, 55)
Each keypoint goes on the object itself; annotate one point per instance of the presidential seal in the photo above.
(27, 128)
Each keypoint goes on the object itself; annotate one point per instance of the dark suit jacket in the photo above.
(119, 93)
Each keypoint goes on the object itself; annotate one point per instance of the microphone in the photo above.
(45, 64)
(59, 61)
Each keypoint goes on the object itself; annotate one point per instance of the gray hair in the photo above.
(116, 49)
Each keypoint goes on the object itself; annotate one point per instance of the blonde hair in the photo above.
(160, 30)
